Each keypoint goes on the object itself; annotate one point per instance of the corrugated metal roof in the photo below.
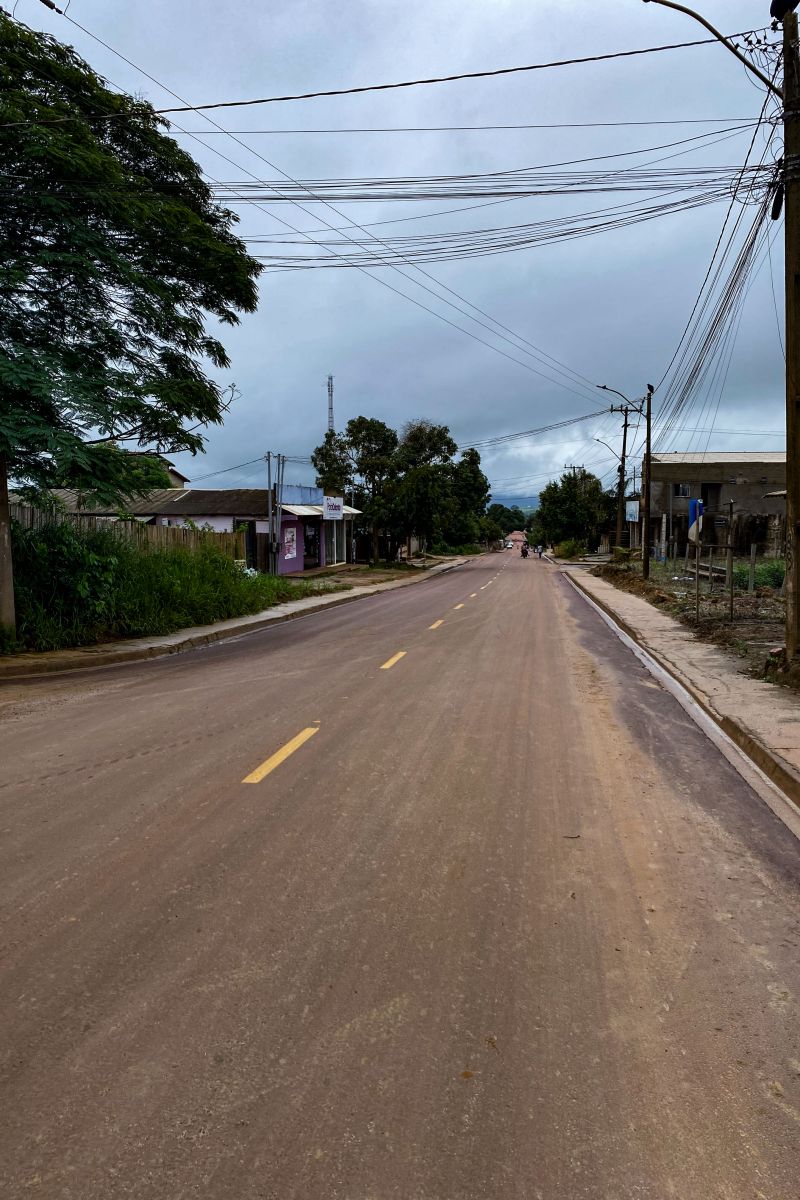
(194, 502)
(751, 457)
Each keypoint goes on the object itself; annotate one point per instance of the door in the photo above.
(310, 545)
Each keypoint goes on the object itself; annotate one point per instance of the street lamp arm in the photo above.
(611, 448)
(721, 38)
(605, 388)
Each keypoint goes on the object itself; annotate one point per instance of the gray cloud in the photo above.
(612, 307)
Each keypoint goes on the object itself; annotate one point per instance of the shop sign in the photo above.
(333, 508)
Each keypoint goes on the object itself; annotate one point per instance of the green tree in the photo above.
(372, 447)
(507, 518)
(333, 462)
(574, 507)
(113, 253)
(423, 444)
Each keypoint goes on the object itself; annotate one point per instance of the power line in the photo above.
(384, 87)
(537, 354)
(490, 128)
(408, 83)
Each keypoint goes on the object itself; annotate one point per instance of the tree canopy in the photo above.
(114, 253)
(411, 484)
(574, 507)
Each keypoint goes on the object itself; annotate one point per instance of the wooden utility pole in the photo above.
(791, 159)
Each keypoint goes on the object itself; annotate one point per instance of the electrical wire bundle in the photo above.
(699, 368)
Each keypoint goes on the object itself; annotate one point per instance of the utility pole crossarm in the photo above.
(689, 12)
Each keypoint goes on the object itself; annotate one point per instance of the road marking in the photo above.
(473, 595)
(458, 606)
(281, 755)
(485, 585)
(436, 624)
(394, 659)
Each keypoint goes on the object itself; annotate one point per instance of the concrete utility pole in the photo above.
(646, 489)
(644, 406)
(7, 615)
(790, 97)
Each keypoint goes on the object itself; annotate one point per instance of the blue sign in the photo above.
(695, 520)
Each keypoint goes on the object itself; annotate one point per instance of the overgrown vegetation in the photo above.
(76, 587)
(570, 548)
(115, 252)
(767, 574)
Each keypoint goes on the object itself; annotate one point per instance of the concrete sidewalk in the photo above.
(21, 666)
(763, 719)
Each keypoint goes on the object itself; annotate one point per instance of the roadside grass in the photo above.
(76, 588)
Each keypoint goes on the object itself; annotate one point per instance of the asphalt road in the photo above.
(495, 920)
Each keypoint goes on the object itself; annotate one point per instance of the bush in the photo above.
(571, 548)
(75, 587)
(768, 574)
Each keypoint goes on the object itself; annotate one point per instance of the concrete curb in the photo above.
(780, 773)
(108, 654)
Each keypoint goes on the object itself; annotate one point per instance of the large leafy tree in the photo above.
(576, 507)
(113, 254)
(507, 519)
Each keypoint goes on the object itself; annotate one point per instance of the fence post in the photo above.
(729, 572)
(751, 579)
(710, 570)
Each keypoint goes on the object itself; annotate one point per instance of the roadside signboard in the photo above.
(333, 508)
(632, 512)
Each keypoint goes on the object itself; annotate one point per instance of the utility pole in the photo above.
(8, 622)
(790, 98)
(646, 481)
(791, 184)
(269, 512)
(625, 410)
(645, 406)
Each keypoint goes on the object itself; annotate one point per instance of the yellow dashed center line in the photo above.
(458, 606)
(436, 624)
(394, 659)
(281, 755)
(473, 595)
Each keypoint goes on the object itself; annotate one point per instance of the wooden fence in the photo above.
(152, 537)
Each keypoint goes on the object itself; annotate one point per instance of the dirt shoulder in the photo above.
(754, 638)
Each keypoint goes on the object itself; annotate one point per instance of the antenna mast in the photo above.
(330, 404)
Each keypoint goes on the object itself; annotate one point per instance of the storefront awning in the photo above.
(315, 510)
(303, 510)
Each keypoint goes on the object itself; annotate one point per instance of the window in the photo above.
(682, 489)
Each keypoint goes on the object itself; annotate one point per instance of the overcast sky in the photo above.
(610, 307)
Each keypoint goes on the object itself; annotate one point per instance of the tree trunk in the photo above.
(8, 623)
